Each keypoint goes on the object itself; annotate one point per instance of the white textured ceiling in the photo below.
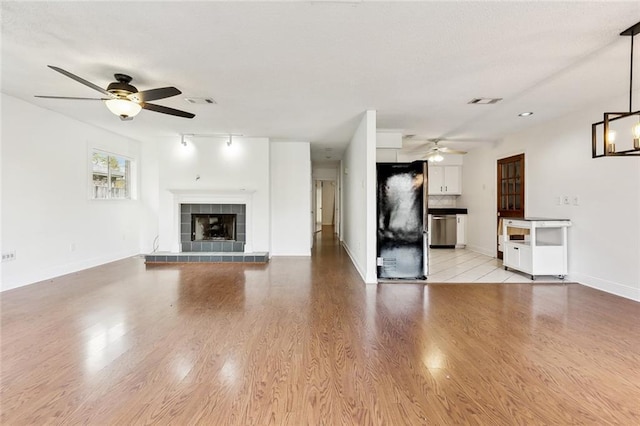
(305, 71)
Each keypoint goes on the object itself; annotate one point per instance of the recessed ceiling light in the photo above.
(525, 114)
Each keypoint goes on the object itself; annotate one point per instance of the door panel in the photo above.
(328, 198)
(510, 190)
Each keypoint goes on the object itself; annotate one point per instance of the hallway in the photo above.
(303, 341)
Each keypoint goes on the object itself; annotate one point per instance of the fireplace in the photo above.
(213, 226)
(206, 201)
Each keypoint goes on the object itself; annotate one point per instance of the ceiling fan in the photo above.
(123, 99)
(434, 154)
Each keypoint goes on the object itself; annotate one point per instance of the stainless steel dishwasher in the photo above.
(443, 231)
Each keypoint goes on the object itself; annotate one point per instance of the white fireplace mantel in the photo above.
(211, 196)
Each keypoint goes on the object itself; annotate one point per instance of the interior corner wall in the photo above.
(359, 198)
(209, 164)
(604, 240)
(47, 216)
(290, 169)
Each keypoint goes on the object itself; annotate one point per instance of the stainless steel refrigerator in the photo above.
(402, 220)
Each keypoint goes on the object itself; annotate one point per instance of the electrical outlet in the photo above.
(576, 201)
(565, 199)
(558, 201)
(9, 256)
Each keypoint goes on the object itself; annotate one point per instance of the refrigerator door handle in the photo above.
(425, 196)
(425, 219)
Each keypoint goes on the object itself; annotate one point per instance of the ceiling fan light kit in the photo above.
(123, 107)
(123, 99)
(626, 124)
(435, 158)
(434, 155)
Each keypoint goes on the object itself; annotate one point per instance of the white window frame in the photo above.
(130, 177)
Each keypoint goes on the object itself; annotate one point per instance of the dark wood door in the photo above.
(510, 190)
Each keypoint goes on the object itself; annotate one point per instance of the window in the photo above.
(111, 176)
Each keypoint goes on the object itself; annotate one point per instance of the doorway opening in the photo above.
(325, 201)
(510, 191)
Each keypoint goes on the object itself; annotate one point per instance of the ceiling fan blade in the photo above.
(71, 97)
(451, 151)
(82, 80)
(154, 94)
(167, 110)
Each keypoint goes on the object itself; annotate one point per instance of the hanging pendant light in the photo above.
(623, 126)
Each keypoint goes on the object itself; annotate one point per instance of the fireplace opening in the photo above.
(213, 226)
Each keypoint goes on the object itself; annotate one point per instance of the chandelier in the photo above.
(619, 128)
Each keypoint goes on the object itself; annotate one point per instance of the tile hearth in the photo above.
(206, 257)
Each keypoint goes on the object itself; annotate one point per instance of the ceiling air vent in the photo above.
(484, 101)
(201, 101)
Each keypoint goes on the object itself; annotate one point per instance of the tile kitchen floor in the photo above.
(466, 266)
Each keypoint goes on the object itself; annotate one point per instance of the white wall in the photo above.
(47, 217)
(359, 198)
(325, 173)
(604, 241)
(1, 180)
(149, 196)
(243, 165)
(290, 198)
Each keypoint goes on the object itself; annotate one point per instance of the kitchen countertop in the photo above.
(447, 210)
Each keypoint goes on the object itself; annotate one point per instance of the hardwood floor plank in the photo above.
(302, 341)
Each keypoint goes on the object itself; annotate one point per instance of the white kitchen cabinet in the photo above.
(542, 252)
(461, 230)
(445, 180)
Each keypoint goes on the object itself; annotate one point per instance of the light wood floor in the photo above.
(302, 341)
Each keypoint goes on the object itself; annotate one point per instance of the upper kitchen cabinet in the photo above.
(445, 180)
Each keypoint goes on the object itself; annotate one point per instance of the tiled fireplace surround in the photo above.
(187, 201)
(218, 246)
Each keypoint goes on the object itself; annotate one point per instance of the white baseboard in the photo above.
(36, 276)
(353, 261)
(618, 289)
